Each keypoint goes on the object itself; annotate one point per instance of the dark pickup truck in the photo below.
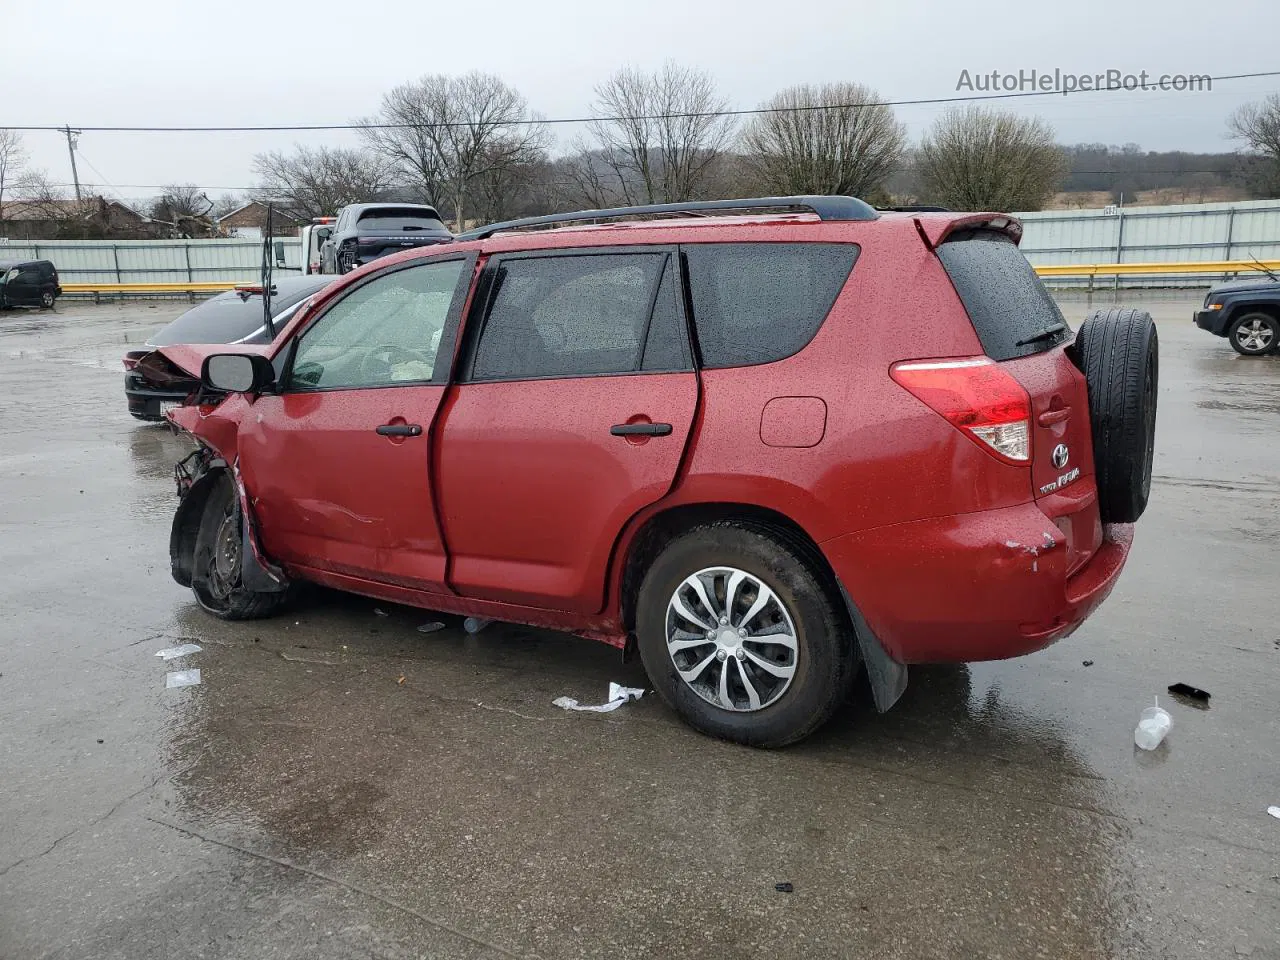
(1246, 312)
(367, 231)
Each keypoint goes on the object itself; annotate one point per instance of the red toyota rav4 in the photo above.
(762, 448)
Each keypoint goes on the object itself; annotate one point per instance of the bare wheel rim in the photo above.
(224, 570)
(1254, 335)
(731, 639)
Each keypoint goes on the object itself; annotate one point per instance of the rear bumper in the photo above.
(145, 400)
(983, 586)
(1215, 321)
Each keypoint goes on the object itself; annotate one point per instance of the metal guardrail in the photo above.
(199, 286)
(1191, 268)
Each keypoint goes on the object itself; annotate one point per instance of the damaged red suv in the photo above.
(764, 448)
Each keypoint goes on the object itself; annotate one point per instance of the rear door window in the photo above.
(581, 315)
(1011, 310)
(760, 302)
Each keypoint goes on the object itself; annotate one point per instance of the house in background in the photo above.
(93, 218)
(250, 220)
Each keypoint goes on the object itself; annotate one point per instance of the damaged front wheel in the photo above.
(218, 562)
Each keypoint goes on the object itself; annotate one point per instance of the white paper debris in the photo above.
(380, 612)
(618, 695)
(172, 653)
(181, 678)
(1274, 811)
(431, 627)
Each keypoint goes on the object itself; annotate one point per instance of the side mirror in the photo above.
(322, 234)
(280, 258)
(237, 373)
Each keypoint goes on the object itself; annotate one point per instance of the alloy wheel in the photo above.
(1255, 336)
(731, 639)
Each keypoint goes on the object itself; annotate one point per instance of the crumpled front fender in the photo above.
(195, 483)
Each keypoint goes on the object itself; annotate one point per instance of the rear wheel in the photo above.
(46, 299)
(218, 560)
(1255, 334)
(742, 635)
(1119, 354)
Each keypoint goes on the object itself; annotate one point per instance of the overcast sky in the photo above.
(140, 62)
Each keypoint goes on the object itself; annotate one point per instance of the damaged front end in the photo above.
(196, 475)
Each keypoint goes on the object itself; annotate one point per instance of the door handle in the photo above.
(640, 429)
(399, 430)
(1050, 417)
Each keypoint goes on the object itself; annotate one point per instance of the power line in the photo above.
(701, 114)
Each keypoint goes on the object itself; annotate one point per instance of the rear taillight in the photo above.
(978, 398)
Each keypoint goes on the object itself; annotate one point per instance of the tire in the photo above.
(1255, 334)
(47, 299)
(216, 563)
(1119, 352)
(821, 662)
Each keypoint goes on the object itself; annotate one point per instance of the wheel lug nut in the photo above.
(711, 634)
(724, 620)
(721, 655)
(742, 631)
(739, 653)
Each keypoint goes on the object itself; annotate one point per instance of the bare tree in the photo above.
(663, 136)
(1258, 125)
(225, 204)
(316, 181)
(839, 138)
(444, 133)
(518, 187)
(181, 201)
(44, 200)
(12, 156)
(974, 158)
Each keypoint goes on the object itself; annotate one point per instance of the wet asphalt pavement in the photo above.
(342, 785)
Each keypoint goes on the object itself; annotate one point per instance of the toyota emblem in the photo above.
(1061, 455)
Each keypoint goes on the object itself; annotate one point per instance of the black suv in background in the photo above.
(1246, 312)
(367, 231)
(28, 283)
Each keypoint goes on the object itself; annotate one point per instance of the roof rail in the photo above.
(915, 208)
(827, 208)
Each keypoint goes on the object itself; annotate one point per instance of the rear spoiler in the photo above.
(935, 228)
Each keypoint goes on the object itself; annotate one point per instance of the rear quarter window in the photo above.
(1006, 302)
(760, 302)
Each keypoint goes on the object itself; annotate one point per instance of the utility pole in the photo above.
(72, 136)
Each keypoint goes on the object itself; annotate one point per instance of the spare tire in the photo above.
(1119, 353)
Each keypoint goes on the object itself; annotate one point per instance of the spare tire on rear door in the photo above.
(1119, 353)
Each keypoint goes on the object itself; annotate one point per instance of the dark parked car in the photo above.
(1246, 312)
(231, 317)
(367, 231)
(697, 437)
(28, 283)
